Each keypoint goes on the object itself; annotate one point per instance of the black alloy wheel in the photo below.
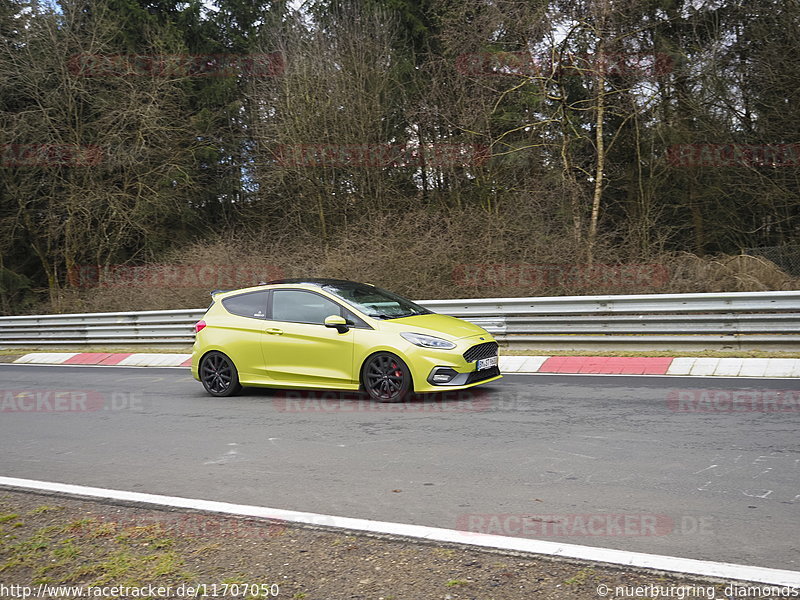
(386, 378)
(219, 375)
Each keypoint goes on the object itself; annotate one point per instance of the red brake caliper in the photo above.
(398, 372)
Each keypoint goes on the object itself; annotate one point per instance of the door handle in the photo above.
(274, 331)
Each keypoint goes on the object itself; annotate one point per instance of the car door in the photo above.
(297, 346)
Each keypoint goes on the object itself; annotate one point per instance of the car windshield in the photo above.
(375, 302)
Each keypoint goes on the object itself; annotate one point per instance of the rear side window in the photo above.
(299, 306)
(253, 305)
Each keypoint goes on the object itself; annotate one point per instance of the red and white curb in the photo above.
(674, 564)
(106, 359)
(599, 365)
(625, 365)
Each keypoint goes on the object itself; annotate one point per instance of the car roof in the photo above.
(317, 281)
(306, 281)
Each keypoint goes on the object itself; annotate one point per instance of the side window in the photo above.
(297, 306)
(253, 305)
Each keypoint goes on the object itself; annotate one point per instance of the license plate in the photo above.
(486, 363)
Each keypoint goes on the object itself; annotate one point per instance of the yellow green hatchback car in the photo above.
(337, 335)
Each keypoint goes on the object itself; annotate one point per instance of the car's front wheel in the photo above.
(219, 375)
(386, 378)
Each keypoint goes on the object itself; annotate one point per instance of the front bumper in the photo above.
(462, 379)
(429, 363)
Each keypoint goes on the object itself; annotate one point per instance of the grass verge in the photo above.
(49, 540)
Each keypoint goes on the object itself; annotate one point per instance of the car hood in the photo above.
(443, 326)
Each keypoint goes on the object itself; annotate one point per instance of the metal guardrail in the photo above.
(155, 327)
(757, 320)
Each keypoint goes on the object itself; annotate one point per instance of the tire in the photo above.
(219, 375)
(386, 378)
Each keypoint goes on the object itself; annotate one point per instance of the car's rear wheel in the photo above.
(386, 378)
(219, 375)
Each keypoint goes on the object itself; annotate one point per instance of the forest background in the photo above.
(154, 150)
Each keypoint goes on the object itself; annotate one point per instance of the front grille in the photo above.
(481, 351)
(483, 374)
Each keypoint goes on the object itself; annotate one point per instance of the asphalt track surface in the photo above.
(636, 463)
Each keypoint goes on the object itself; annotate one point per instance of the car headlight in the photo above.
(427, 341)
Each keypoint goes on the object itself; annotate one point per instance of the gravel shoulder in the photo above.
(56, 540)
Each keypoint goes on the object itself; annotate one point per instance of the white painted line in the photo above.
(603, 555)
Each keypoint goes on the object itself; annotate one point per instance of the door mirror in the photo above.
(338, 323)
